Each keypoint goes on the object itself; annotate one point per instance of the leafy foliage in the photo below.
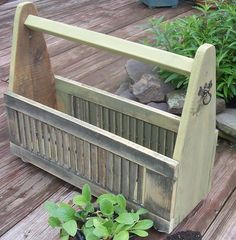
(109, 220)
(184, 36)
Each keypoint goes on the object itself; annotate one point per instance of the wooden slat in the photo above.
(94, 135)
(167, 60)
(119, 104)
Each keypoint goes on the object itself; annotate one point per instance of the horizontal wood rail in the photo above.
(167, 60)
(124, 148)
(119, 104)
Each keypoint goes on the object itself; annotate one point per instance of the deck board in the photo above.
(24, 188)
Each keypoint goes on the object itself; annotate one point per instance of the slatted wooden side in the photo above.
(150, 132)
(146, 134)
(58, 143)
(81, 157)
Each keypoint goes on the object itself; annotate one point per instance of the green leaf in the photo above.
(142, 211)
(51, 208)
(80, 201)
(121, 201)
(125, 218)
(91, 236)
(140, 233)
(54, 222)
(143, 224)
(123, 235)
(70, 227)
(86, 193)
(106, 207)
(100, 231)
(89, 223)
(65, 237)
(108, 196)
(65, 212)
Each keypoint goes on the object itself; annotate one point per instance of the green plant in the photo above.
(108, 220)
(184, 36)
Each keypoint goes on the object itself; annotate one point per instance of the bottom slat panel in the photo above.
(78, 181)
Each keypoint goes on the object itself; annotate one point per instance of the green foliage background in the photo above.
(184, 36)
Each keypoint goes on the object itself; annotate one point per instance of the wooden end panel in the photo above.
(30, 70)
(158, 195)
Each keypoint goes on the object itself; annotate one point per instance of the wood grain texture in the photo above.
(195, 144)
(30, 70)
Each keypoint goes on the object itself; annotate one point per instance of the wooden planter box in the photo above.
(160, 3)
(85, 135)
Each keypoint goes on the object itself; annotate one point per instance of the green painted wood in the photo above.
(195, 143)
(161, 58)
(94, 135)
(118, 104)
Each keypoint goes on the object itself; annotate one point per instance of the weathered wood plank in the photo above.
(30, 70)
(94, 135)
(195, 143)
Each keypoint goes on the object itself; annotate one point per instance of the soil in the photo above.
(231, 103)
(187, 235)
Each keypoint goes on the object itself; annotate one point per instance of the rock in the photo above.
(128, 94)
(226, 122)
(147, 89)
(175, 101)
(123, 87)
(135, 69)
(220, 105)
(161, 106)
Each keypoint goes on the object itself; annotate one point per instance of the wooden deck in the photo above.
(24, 188)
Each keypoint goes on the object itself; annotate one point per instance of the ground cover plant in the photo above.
(184, 36)
(107, 219)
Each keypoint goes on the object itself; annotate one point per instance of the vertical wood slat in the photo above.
(125, 175)
(13, 126)
(140, 140)
(87, 163)
(46, 137)
(35, 139)
(22, 129)
(133, 181)
(94, 163)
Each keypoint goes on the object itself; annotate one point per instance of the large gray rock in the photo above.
(124, 91)
(220, 105)
(161, 106)
(135, 69)
(127, 94)
(148, 89)
(226, 122)
(175, 101)
(123, 87)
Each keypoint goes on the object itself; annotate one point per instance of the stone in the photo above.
(220, 105)
(127, 94)
(123, 87)
(161, 106)
(226, 122)
(147, 89)
(135, 69)
(175, 101)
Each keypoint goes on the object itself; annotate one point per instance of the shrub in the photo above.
(184, 36)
